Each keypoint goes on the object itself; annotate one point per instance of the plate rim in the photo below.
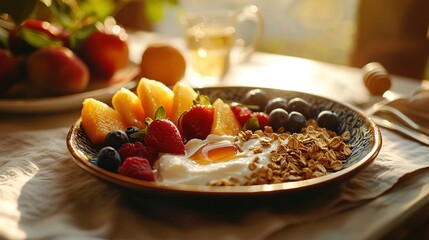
(234, 190)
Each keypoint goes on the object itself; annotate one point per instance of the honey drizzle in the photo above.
(216, 152)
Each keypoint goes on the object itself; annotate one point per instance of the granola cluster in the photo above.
(314, 152)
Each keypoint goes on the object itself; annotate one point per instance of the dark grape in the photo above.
(296, 122)
(255, 97)
(300, 105)
(328, 119)
(274, 103)
(108, 158)
(116, 139)
(278, 118)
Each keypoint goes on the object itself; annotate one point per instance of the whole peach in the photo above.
(105, 53)
(57, 71)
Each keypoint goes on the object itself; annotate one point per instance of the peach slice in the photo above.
(224, 121)
(184, 96)
(98, 119)
(129, 107)
(154, 94)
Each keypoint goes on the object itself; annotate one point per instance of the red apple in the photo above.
(105, 52)
(44, 34)
(8, 70)
(57, 71)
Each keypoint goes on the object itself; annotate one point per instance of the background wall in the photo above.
(322, 30)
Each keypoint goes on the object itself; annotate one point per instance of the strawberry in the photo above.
(137, 149)
(263, 119)
(137, 167)
(162, 135)
(197, 122)
(242, 113)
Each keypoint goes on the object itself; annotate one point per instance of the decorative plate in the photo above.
(99, 89)
(365, 144)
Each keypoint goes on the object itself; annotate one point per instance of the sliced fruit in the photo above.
(182, 100)
(98, 119)
(129, 107)
(224, 121)
(154, 94)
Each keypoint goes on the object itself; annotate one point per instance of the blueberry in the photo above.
(131, 130)
(274, 103)
(329, 120)
(256, 97)
(296, 122)
(300, 105)
(278, 118)
(93, 161)
(116, 139)
(108, 158)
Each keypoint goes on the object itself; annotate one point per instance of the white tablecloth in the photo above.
(44, 194)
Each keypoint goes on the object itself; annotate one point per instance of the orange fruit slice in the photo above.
(98, 119)
(129, 107)
(183, 98)
(164, 63)
(154, 94)
(224, 121)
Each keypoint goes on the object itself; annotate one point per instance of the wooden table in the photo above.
(370, 221)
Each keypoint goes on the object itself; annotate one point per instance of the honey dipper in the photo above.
(376, 78)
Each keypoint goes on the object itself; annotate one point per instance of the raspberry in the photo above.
(137, 167)
(137, 149)
(263, 119)
(242, 113)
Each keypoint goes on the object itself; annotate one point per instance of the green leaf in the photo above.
(18, 9)
(3, 38)
(73, 13)
(79, 35)
(65, 12)
(140, 134)
(160, 113)
(202, 100)
(154, 10)
(38, 40)
(251, 124)
(99, 9)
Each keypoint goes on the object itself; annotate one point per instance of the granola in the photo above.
(314, 152)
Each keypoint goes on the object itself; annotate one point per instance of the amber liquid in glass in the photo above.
(210, 48)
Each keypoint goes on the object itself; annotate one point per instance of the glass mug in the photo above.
(211, 37)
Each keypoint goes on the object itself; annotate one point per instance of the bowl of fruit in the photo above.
(221, 140)
(45, 66)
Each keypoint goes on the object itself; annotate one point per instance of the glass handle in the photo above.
(243, 50)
